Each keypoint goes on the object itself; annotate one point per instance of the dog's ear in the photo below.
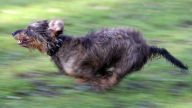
(56, 26)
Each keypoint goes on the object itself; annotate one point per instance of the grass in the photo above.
(26, 78)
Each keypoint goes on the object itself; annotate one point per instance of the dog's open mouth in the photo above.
(22, 42)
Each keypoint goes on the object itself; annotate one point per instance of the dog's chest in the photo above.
(69, 66)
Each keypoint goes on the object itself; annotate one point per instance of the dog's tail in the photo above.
(155, 51)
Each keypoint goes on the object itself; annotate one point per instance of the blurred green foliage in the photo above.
(27, 79)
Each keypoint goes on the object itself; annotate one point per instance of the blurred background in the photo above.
(28, 79)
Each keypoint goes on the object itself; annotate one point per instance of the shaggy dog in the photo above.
(101, 58)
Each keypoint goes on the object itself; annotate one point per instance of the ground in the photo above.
(29, 79)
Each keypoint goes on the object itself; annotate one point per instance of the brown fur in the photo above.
(89, 58)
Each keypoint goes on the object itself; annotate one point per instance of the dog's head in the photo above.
(40, 34)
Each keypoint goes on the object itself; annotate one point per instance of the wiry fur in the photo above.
(91, 57)
(163, 52)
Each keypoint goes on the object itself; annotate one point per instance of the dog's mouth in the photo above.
(23, 42)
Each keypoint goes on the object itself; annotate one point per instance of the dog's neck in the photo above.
(52, 51)
(69, 41)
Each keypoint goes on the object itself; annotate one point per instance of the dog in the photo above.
(101, 58)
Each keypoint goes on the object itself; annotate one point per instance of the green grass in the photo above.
(26, 79)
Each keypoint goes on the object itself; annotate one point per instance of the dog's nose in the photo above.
(14, 33)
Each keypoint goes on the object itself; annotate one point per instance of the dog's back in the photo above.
(110, 45)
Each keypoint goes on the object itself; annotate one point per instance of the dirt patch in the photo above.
(146, 105)
(38, 74)
(43, 89)
(141, 85)
(176, 89)
(40, 87)
(186, 23)
(29, 75)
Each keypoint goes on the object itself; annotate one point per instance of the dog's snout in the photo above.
(18, 31)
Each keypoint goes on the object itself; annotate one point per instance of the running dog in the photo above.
(101, 58)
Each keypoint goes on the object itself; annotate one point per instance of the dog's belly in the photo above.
(69, 66)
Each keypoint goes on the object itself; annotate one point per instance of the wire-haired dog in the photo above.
(89, 58)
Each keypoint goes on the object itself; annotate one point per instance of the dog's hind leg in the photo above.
(120, 70)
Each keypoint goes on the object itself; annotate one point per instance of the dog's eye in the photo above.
(29, 32)
(29, 29)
